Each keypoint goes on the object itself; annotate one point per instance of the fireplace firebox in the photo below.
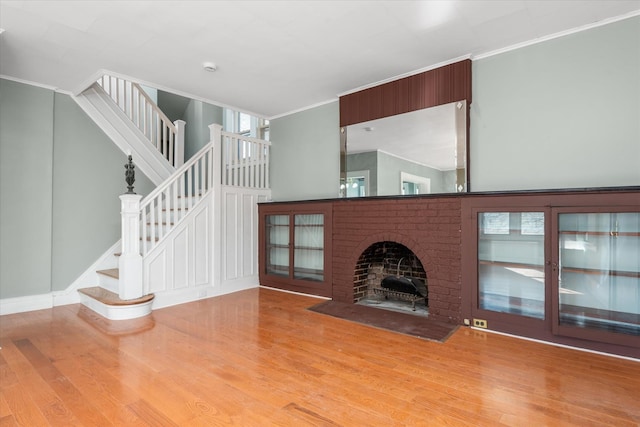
(391, 271)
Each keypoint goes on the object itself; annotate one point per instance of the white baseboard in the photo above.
(89, 279)
(26, 303)
(70, 295)
(185, 295)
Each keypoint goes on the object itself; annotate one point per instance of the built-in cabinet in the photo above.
(559, 266)
(565, 266)
(296, 247)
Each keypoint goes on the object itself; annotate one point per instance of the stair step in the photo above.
(110, 298)
(112, 272)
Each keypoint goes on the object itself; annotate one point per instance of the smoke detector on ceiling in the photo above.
(210, 66)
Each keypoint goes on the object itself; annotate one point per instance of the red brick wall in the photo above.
(429, 226)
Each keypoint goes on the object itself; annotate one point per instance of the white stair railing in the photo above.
(245, 161)
(135, 103)
(167, 205)
(227, 160)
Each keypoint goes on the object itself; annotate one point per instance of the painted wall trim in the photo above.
(30, 83)
(300, 110)
(556, 35)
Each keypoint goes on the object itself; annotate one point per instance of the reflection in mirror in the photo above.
(419, 152)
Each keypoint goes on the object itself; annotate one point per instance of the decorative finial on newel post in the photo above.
(130, 284)
(130, 175)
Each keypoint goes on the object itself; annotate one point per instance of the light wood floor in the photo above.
(259, 358)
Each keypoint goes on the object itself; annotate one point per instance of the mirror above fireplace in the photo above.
(407, 136)
(419, 152)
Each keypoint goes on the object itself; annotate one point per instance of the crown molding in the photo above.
(556, 35)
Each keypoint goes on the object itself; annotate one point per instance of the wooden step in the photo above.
(112, 272)
(109, 298)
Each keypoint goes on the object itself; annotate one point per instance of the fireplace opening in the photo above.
(388, 275)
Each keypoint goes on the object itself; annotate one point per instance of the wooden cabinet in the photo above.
(295, 247)
(557, 266)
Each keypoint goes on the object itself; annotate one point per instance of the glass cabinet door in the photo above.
(309, 247)
(511, 262)
(277, 244)
(598, 282)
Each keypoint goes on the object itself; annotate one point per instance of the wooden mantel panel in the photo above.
(443, 85)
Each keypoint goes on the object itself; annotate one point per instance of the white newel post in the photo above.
(179, 143)
(215, 134)
(130, 263)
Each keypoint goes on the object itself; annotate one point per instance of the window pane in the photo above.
(510, 266)
(495, 223)
(599, 272)
(532, 223)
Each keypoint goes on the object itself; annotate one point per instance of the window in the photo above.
(245, 124)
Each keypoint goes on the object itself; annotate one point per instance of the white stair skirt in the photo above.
(94, 299)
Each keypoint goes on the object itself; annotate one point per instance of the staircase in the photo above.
(105, 300)
(136, 125)
(173, 245)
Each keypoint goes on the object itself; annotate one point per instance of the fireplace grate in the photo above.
(403, 296)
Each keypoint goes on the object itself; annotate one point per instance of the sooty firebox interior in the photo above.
(390, 276)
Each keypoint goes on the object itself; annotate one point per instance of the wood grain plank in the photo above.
(71, 404)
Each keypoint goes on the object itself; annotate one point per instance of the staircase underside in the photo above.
(109, 305)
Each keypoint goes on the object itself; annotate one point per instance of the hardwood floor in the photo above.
(259, 358)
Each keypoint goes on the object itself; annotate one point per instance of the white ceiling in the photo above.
(273, 57)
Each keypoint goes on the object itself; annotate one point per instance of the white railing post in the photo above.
(179, 143)
(130, 263)
(215, 134)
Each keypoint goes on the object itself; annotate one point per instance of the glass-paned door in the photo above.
(277, 244)
(598, 273)
(309, 247)
(511, 263)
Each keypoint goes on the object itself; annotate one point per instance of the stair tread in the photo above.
(110, 298)
(111, 272)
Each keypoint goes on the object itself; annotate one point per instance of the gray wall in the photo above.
(389, 168)
(384, 173)
(172, 105)
(26, 167)
(199, 115)
(559, 114)
(365, 162)
(305, 154)
(60, 178)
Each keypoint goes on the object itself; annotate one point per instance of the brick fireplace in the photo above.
(428, 228)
